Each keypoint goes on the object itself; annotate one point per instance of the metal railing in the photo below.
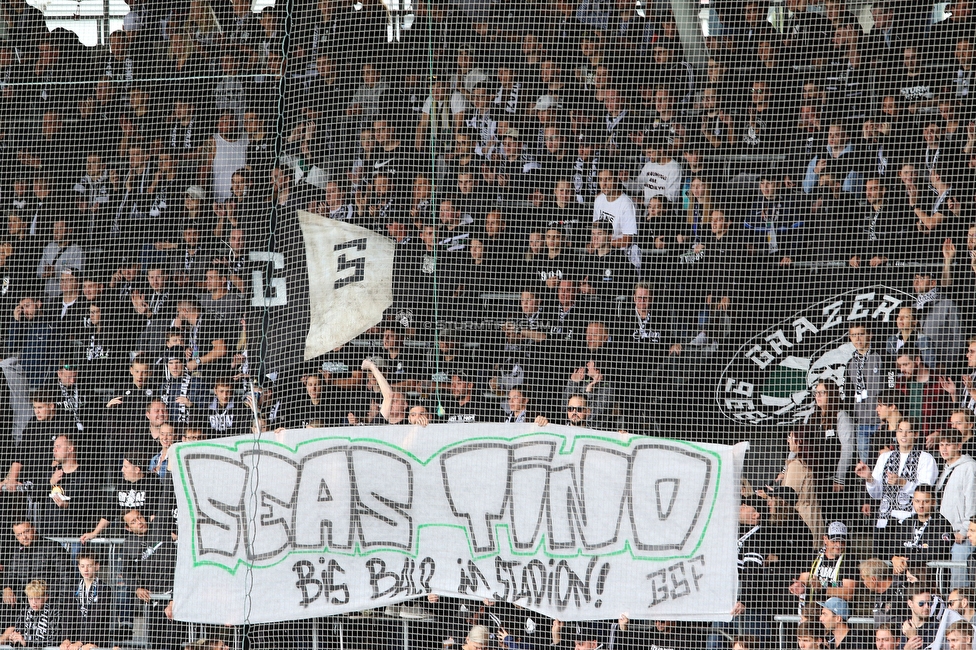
(863, 621)
(113, 543)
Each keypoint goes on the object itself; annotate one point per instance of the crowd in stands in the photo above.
(636, 210)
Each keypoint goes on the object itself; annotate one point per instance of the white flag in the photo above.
(350, 280)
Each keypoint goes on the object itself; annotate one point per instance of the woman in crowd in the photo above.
(799, 475)
(835, 447)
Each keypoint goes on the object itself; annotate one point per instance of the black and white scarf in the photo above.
(892, 496)
(87, 598)
(923, 299)
(221, 420)
(511, 104)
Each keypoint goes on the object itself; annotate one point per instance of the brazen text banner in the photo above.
(573, 523)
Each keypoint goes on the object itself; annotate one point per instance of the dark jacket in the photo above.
(87, 617)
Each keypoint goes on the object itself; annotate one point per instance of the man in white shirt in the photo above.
(897, 474)
(957, 496)
(612, 205)
(661, 174)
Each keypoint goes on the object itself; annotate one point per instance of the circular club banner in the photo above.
(769, 380)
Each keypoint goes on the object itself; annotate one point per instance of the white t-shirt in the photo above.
(228, 158)
(457, 102)
(620, 213)
(658, 180)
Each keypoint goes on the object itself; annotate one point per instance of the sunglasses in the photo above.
(575, 409)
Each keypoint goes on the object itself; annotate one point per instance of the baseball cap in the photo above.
(837, 606)
(544, 103)
(837, 531)
(474, 78)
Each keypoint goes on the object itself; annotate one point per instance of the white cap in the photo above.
(544, 103)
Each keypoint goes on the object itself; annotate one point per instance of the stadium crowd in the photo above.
(643, 210)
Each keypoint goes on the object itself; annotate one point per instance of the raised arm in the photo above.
(384, 385)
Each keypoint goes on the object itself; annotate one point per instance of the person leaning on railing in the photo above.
(39, 623)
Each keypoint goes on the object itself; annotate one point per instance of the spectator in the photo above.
(887, 637)
(516, 407)
(594, 375)
(877, 238)
(225, 153)
(661, 174)
(810, 635)
(836, 447)
(32, 346)
(752, 603)
(464, 404)
(959, 601)
(834, 617)
(180, 392)
(615, 207)
(956, 495)
(962, 421)
(960, 635)
(205, 336)
(39, 624)
(72, 504)
(864, 378)
(888, 592)
(58, 255)
(906, 334)
(832, 572)
(926, 610)
(937, 217)
(839, 150)
(133, 398)
(223, 414)
(135, 487)
(800, 475)
(717, 125)
(763, 128)
(158, 464)
(940, 334)
(648, 341)
(31, 458)
(772, 227)
(577, 413)
(395, 410)
(149, 560)
(783, 529)
(34, 558)
(517, 170)
(604, 273)
(921, 538)
(88, 611)
(896, 475)
(927, 401)
(75, 403)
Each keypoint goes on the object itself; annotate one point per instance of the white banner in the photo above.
(350, 280)
(573, 523)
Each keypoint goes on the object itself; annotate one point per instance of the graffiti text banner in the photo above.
(573, 523)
